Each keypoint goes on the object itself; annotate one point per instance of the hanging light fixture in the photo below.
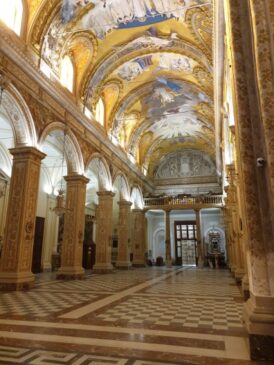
(60, 208)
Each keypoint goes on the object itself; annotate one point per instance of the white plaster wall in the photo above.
(156, 226)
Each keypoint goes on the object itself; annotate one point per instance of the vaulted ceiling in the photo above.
(150, 61)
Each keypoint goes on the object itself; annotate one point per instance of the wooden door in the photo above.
(88, 245)
(37, 245)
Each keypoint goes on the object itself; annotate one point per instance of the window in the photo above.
(11, 13)
(100, 112)
(67, 73)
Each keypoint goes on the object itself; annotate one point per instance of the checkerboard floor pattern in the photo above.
(40, 304)
(187, 312)
(113, 282)
(199, 283)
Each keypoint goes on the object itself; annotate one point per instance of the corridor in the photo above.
(143, 316)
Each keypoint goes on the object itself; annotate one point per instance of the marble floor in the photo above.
(145, 316)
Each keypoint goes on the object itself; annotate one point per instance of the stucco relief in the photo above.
(19, 123)
(185, 164)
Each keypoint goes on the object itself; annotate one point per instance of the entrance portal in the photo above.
(185, 242)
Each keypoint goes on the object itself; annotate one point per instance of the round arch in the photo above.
(120, 182)
(100, 168)
(73, 152)
(19, 116)
(137, 197)
(158, 243)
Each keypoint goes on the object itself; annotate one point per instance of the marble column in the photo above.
(74, 227)
(199, 239)
(168, 240)
(16, 258)
(138, 237)
(104, 232)
(123, 260)
(248, 19)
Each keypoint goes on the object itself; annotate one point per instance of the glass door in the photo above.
(185, 242)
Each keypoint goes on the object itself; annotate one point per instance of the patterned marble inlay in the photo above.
(40, 304)
(19, 355)
(207, 313)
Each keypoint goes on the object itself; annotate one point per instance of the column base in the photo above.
(123, 265)
(138, 263)
(70, 273)
(261, 347)
(46, 267)
(239, 274)
(102, 268)
(245, 288)
(259, 320)
(233, 269)
(200, 263)
(16, 281)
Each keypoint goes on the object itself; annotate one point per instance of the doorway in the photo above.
(37, 245)
(185, 243)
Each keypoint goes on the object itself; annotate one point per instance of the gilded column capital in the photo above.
(125, 203)
(105, 193)
(26, 152)
(76, 178)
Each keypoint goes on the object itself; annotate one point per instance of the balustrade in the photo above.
(185, 200)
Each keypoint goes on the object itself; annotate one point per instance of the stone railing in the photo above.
(212, 200)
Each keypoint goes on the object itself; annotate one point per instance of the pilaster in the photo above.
(138, 237)
(50, 234)
(199, 239)
(74, 226)
(252, 140)
(168, 241)
(16, 259)
(104, 232)
(123, 261)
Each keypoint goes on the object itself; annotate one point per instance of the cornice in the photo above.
(13, 49)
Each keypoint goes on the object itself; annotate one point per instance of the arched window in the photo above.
(100, 112)
(67, 73)
(11, 13)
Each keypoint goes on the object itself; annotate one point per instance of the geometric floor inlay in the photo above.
(146, 316)
(40, 304)
(225, 314)
(19, 355)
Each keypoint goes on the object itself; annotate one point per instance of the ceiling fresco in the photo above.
(150, 61)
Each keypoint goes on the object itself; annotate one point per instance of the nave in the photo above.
(146, 316)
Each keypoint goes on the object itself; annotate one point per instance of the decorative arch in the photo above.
(100, 168)
(137, 198)
(120, 183)
(73, 152)
(155, 241)
(19, 116)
